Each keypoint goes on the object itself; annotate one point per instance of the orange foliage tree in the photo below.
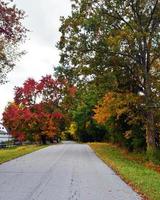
(121, 113)
(117, 104)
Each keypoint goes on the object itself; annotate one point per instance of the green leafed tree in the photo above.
(115, 37)
(12, 33)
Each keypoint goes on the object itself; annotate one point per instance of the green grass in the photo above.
(15, 152)
(134, 171)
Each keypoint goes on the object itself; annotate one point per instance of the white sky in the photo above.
(43, 22)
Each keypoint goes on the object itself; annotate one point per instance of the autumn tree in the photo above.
(77, 106)
(123, 119)
(12, 33)
(87, 129)
(119, 38)
(14, 120)
(36, 113)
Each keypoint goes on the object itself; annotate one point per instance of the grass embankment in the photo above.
(15, 152)
(133, 168)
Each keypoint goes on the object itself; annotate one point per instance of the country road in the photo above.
(62, 172)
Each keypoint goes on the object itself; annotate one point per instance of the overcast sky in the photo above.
(43, 22)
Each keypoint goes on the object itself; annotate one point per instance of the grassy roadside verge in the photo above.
(15, 152)
(140, 177)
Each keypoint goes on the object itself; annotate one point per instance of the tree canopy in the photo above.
(36, 113)
(115, 45)
(12, 33)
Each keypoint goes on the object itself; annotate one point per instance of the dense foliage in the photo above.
(107, 83)
(114, 46)
(12, 33)
(36, 114)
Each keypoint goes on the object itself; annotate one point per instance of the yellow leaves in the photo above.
(73, 128)
(115, 104)
(115, 40)
(103, 110)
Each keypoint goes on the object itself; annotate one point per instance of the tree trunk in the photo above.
(150, 135)
(150, 123)
(43, 139)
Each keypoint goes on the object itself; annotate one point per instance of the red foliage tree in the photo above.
(12, 33)
(14, 120)
(36, 113)
(27, 94)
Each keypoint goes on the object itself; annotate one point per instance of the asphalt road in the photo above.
(62, 172)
